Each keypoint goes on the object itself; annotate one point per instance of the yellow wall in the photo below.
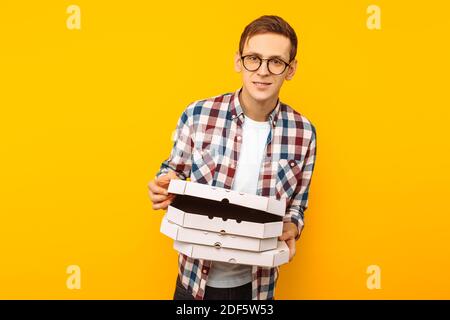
(86, 117)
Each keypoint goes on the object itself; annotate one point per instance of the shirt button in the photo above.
(205, 271)
(238, 138)
(232, 165)
(292, 163)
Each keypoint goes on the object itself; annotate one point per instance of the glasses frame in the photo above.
(261, 60)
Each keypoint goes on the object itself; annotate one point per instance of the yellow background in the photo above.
(86, 117)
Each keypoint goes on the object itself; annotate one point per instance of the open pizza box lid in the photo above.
(199, 190)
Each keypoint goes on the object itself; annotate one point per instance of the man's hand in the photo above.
(157, 190)
(290, 231)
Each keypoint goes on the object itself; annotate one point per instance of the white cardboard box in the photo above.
(216, 239)
(201, 206)
(270, 258)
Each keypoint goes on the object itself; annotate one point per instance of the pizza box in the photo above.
(201, 206)
(270, 258)
(215, 239)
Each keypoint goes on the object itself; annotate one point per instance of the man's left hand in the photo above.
(290, 231)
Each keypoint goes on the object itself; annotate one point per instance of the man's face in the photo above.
(262, 85)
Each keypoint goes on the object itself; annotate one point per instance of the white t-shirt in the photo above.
(254, 137)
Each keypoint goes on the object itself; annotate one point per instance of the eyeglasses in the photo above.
(275, 66)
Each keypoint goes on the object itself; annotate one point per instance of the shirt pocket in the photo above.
(203, 166)
(288, 177)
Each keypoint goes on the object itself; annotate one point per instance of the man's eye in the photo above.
(253, 58)
(277, 62)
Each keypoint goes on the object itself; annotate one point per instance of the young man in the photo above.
(247, 141)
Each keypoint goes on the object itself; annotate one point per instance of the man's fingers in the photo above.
(291, 254)
(157, 189)
(287, 235)
(163, 180)
(291, 245)
(162, 205)
(290, 242)
(158, 192)
(283, 237)
(156, 198)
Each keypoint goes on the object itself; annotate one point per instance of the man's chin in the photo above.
(261, 96)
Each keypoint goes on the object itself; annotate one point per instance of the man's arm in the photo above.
(177, 166)
(179, 160)
(293, 219)
(299, 201)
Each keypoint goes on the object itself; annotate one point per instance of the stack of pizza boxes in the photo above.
(218, 224)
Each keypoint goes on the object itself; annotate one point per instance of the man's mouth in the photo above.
(261, 84)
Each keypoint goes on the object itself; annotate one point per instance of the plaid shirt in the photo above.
(206, 150)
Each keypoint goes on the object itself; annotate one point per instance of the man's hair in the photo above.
(270, 24)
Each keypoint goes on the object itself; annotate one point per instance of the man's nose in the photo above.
(264, 68)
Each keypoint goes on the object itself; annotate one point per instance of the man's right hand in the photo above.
(157, 190)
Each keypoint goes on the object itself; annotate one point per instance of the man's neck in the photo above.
(256, 110)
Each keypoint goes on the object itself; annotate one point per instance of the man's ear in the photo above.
(291, 70)
(237, 62)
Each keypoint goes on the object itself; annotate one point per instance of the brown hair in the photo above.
(270, 24)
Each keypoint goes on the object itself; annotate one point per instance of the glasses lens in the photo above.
(252, 63)
(276, 66)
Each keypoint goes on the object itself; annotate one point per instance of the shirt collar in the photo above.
(236, 110)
